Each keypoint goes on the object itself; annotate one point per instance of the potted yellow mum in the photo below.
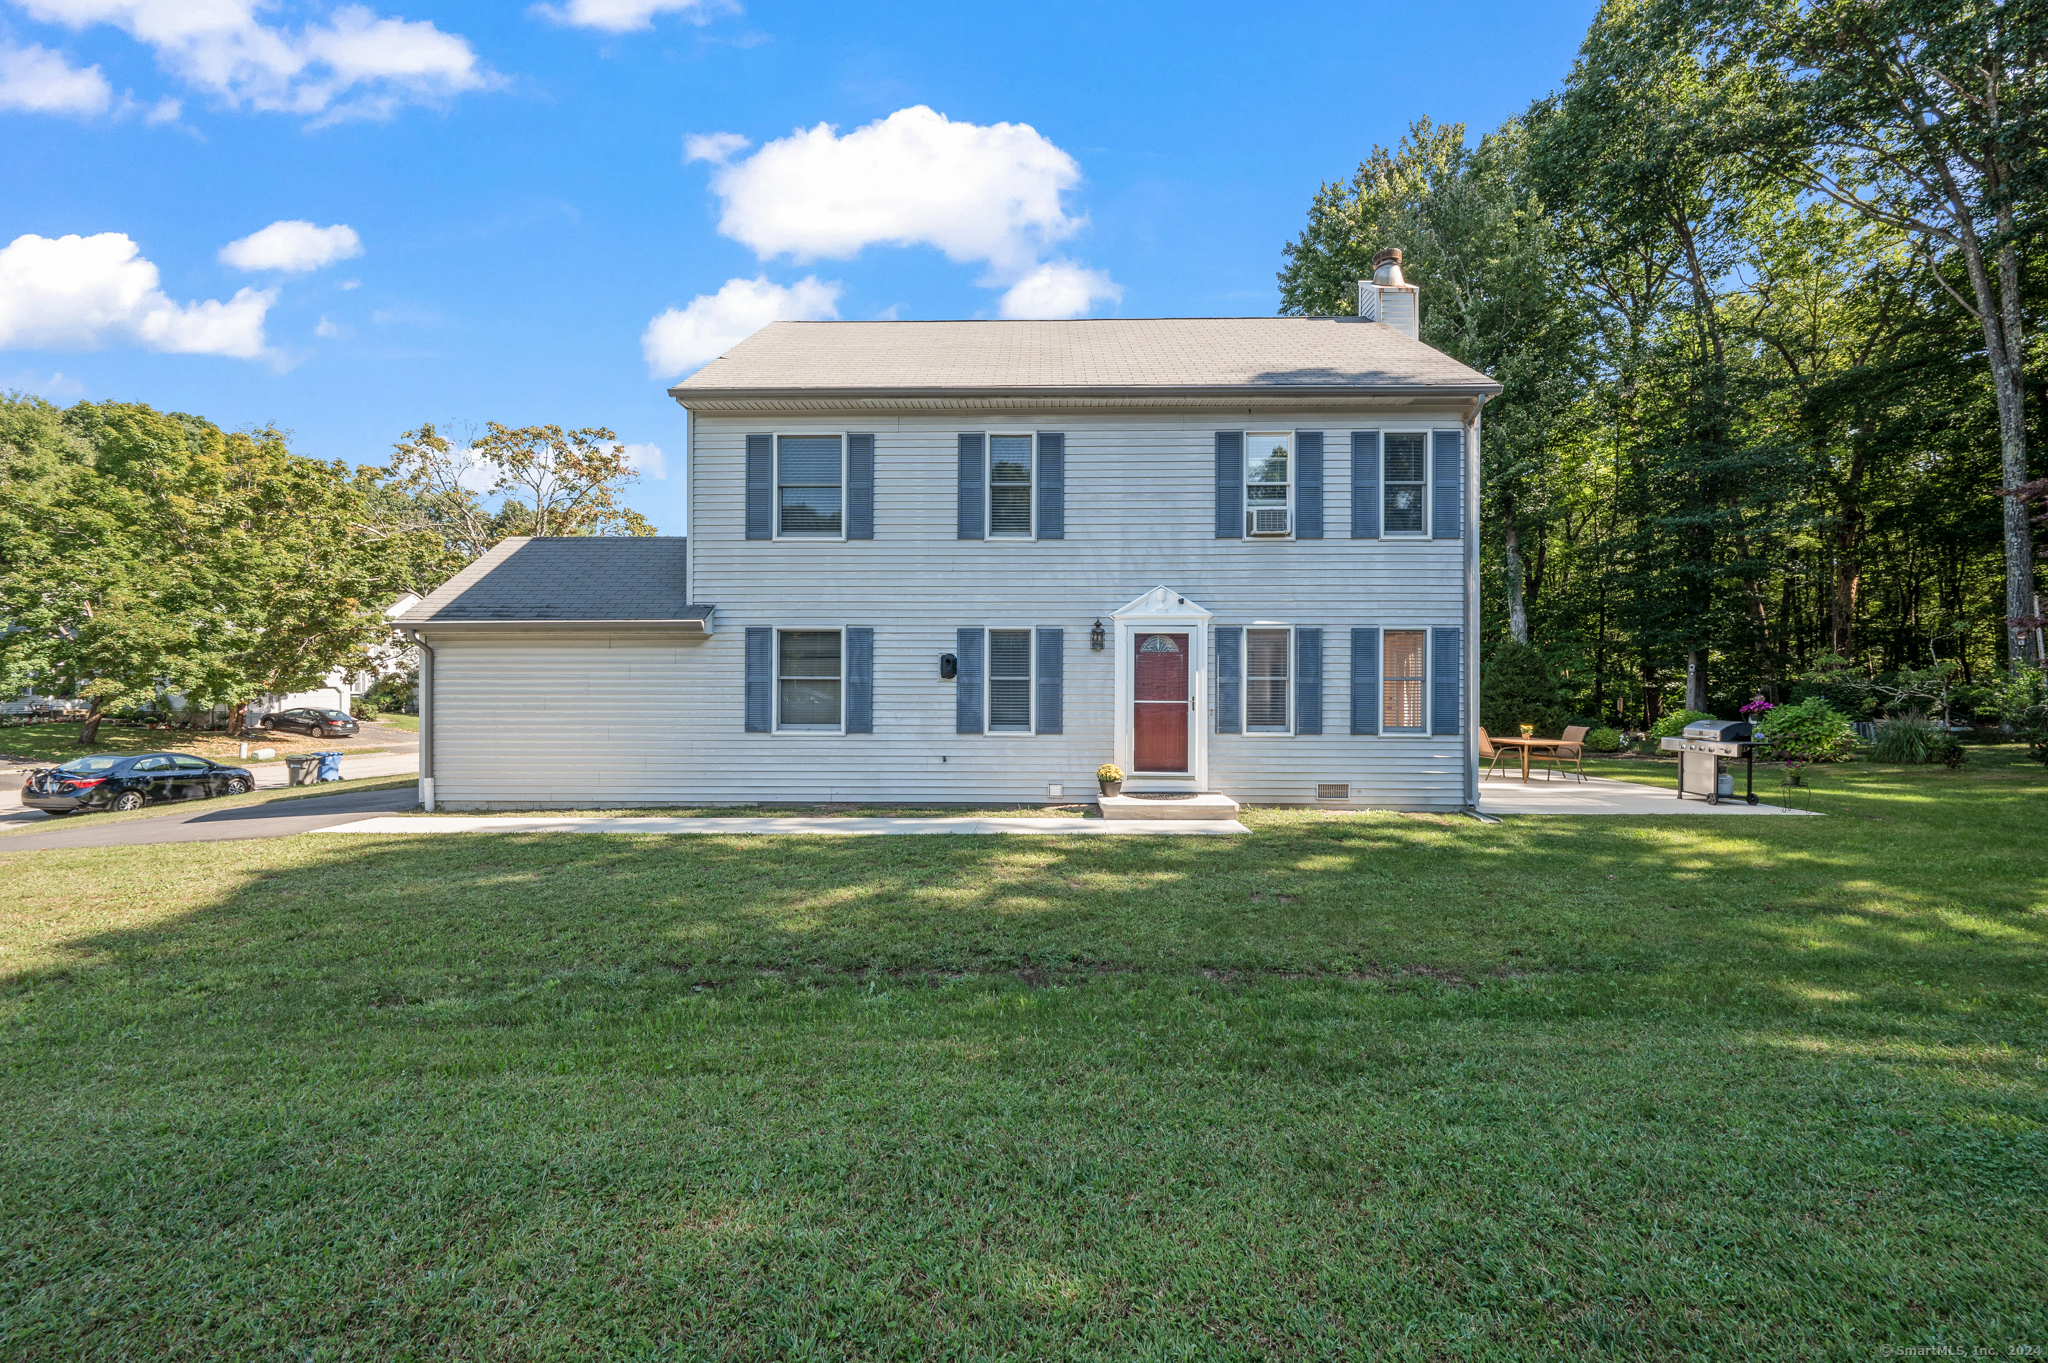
(1110, 777)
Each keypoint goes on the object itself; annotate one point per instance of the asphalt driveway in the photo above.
(279, 819)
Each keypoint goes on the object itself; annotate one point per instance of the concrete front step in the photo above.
(1196, 807)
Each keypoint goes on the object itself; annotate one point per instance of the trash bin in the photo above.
(300, 771)
(330, 765)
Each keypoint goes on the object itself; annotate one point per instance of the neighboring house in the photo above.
(342, 686)
(970, 561)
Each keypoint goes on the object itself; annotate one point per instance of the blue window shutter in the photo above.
(967, 695)
(1229, 679)
(760, 487)
(1365, 488)
(1052, 489)
(973, 505)
(860, 679)
(860, 487)
(1308, 485)
(1230, 485)
(1308, 681)
(1447, 655)
(1365, 681)
(760, 679)
(1447, 516)
(1052, 666)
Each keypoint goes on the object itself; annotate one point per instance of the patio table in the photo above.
(1525, 744)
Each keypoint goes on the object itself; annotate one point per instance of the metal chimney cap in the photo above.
(1386, 267)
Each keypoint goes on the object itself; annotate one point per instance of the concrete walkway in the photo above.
(848, 827)
(1598, 795)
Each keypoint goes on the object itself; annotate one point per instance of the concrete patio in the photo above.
(1598, 795)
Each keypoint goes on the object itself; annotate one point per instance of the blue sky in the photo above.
(543, 223)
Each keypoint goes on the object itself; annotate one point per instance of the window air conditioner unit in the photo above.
(1271, 520)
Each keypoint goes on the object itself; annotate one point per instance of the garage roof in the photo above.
(636, 580)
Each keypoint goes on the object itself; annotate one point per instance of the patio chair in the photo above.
(1487, 750)
(1571, 749)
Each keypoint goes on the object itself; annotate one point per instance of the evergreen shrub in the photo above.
(1518, 687)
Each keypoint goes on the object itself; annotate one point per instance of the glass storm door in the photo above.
(1160, 702)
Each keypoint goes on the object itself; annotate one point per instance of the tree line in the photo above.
(149, 556)
(1756, 283)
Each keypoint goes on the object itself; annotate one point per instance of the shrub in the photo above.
(1905, 741)
(2021, 702)
(1945, 748)
(1671, 726)
(1603, 740)
(1518, 687)
(1800, 735)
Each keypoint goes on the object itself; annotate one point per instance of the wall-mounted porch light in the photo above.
(1095, 637)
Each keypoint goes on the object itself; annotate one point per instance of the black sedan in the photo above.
(318, 723)
(95, 783)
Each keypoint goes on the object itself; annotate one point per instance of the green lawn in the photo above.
(1355, 1086)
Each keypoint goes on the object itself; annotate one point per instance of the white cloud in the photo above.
(985, 194)
(328, 328)
(293, 245)
(683, 339)
(354, 65)
(81, 293)
(50, 387)
(914, 178)
(717, 148)
(165, 110)
(624, 16)
(36, 80)
(648, 460)
(1059, 288)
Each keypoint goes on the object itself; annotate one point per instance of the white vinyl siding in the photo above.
(637, 719)
(1009, 681)
(810, 487)
(1268, 680)
(809, 680)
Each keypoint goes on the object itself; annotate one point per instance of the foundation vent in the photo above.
(1333, 792)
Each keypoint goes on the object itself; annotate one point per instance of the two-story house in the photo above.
(970, 561)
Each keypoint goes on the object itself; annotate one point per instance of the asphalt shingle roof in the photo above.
(566, 578)
(1105, 355)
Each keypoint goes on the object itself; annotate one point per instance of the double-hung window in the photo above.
(1009, 487)
(1402, 686)
(808, 678)
(1268, 485)
(1266, 681)
(1407, 461)
(1009, 681)
(810, 480)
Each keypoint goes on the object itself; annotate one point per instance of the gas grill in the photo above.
(1702, 749)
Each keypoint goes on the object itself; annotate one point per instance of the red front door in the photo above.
(1160, 702)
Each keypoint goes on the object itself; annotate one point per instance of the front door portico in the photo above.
(1162, 691)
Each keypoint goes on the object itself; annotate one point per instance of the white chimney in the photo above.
(1388, 297)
